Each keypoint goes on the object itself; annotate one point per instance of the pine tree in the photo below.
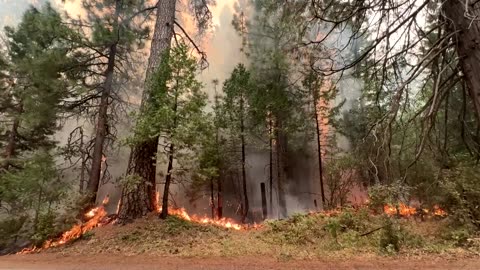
(142, 163)
(36, 76)
(236, 89)
(175, 114)
(116, 35)
(277, 103)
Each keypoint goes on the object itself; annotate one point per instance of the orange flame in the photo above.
(407, 211)
(94, 219)
(223, 222)
(437, 211)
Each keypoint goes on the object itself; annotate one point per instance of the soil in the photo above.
(140, 262)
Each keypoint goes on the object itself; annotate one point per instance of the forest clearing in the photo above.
(239, 134)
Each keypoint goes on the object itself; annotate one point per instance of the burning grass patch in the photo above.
(345, 233)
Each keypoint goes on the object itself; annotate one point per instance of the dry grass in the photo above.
(301, 237)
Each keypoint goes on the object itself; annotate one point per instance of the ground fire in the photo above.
(223, 222)
(404, 210)
(97, 217)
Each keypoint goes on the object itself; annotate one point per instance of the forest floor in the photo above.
(351, 240)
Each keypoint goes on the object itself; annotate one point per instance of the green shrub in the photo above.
(298, 230)
(390, 236)
(460, 196)
(333, 226)
(44, 228)
(380, 195)
(10, 230)
(459, 236)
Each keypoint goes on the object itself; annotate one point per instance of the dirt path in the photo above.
(118, 262)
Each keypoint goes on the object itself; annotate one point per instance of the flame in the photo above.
(223, 222)
(437, 211)
(402, 210)
(407, 211)
(94, 217)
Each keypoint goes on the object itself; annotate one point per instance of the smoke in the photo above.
(222, 45)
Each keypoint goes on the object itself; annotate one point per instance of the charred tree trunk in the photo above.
(319, 151)
(168, 181)
(102, 121)
(244, 174)
(467, 42)
(142, 163)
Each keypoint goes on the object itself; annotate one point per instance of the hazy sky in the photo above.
(11, 10)
(222, 44)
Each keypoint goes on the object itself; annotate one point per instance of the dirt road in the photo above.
(119, 262)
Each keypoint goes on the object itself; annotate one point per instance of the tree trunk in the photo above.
(102, 121)
(83, 168)
(467, 42)
(319, 152)
(244, 174)
(212, 198)
(142, 162)
(270, 163)
(171, 152)
(11, 145)
(168, 180)
(219, 198)
(281, 174)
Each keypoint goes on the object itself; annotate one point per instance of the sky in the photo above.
(222, 44)
(11, 10)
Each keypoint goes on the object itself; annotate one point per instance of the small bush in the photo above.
(390, 236)
(381, 195)
(460, 194)
(333, 226)
(45, 228)
(299, 229)
(10, 230)
(459, 236)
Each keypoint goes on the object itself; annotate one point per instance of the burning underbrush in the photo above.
(341, 230)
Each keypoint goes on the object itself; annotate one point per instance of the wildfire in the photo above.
(94, 217)
(223, 222)
(407, 211)
(402, 209)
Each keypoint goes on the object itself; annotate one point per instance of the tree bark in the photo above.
(168, 180)
(244, 174)
(102, 122)
(171, 152)
(11, 145)
(212, 198)
(281, 173)
(142, 160)
(467, 42)
(270, 167)
(319, 151)
(219, 198)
